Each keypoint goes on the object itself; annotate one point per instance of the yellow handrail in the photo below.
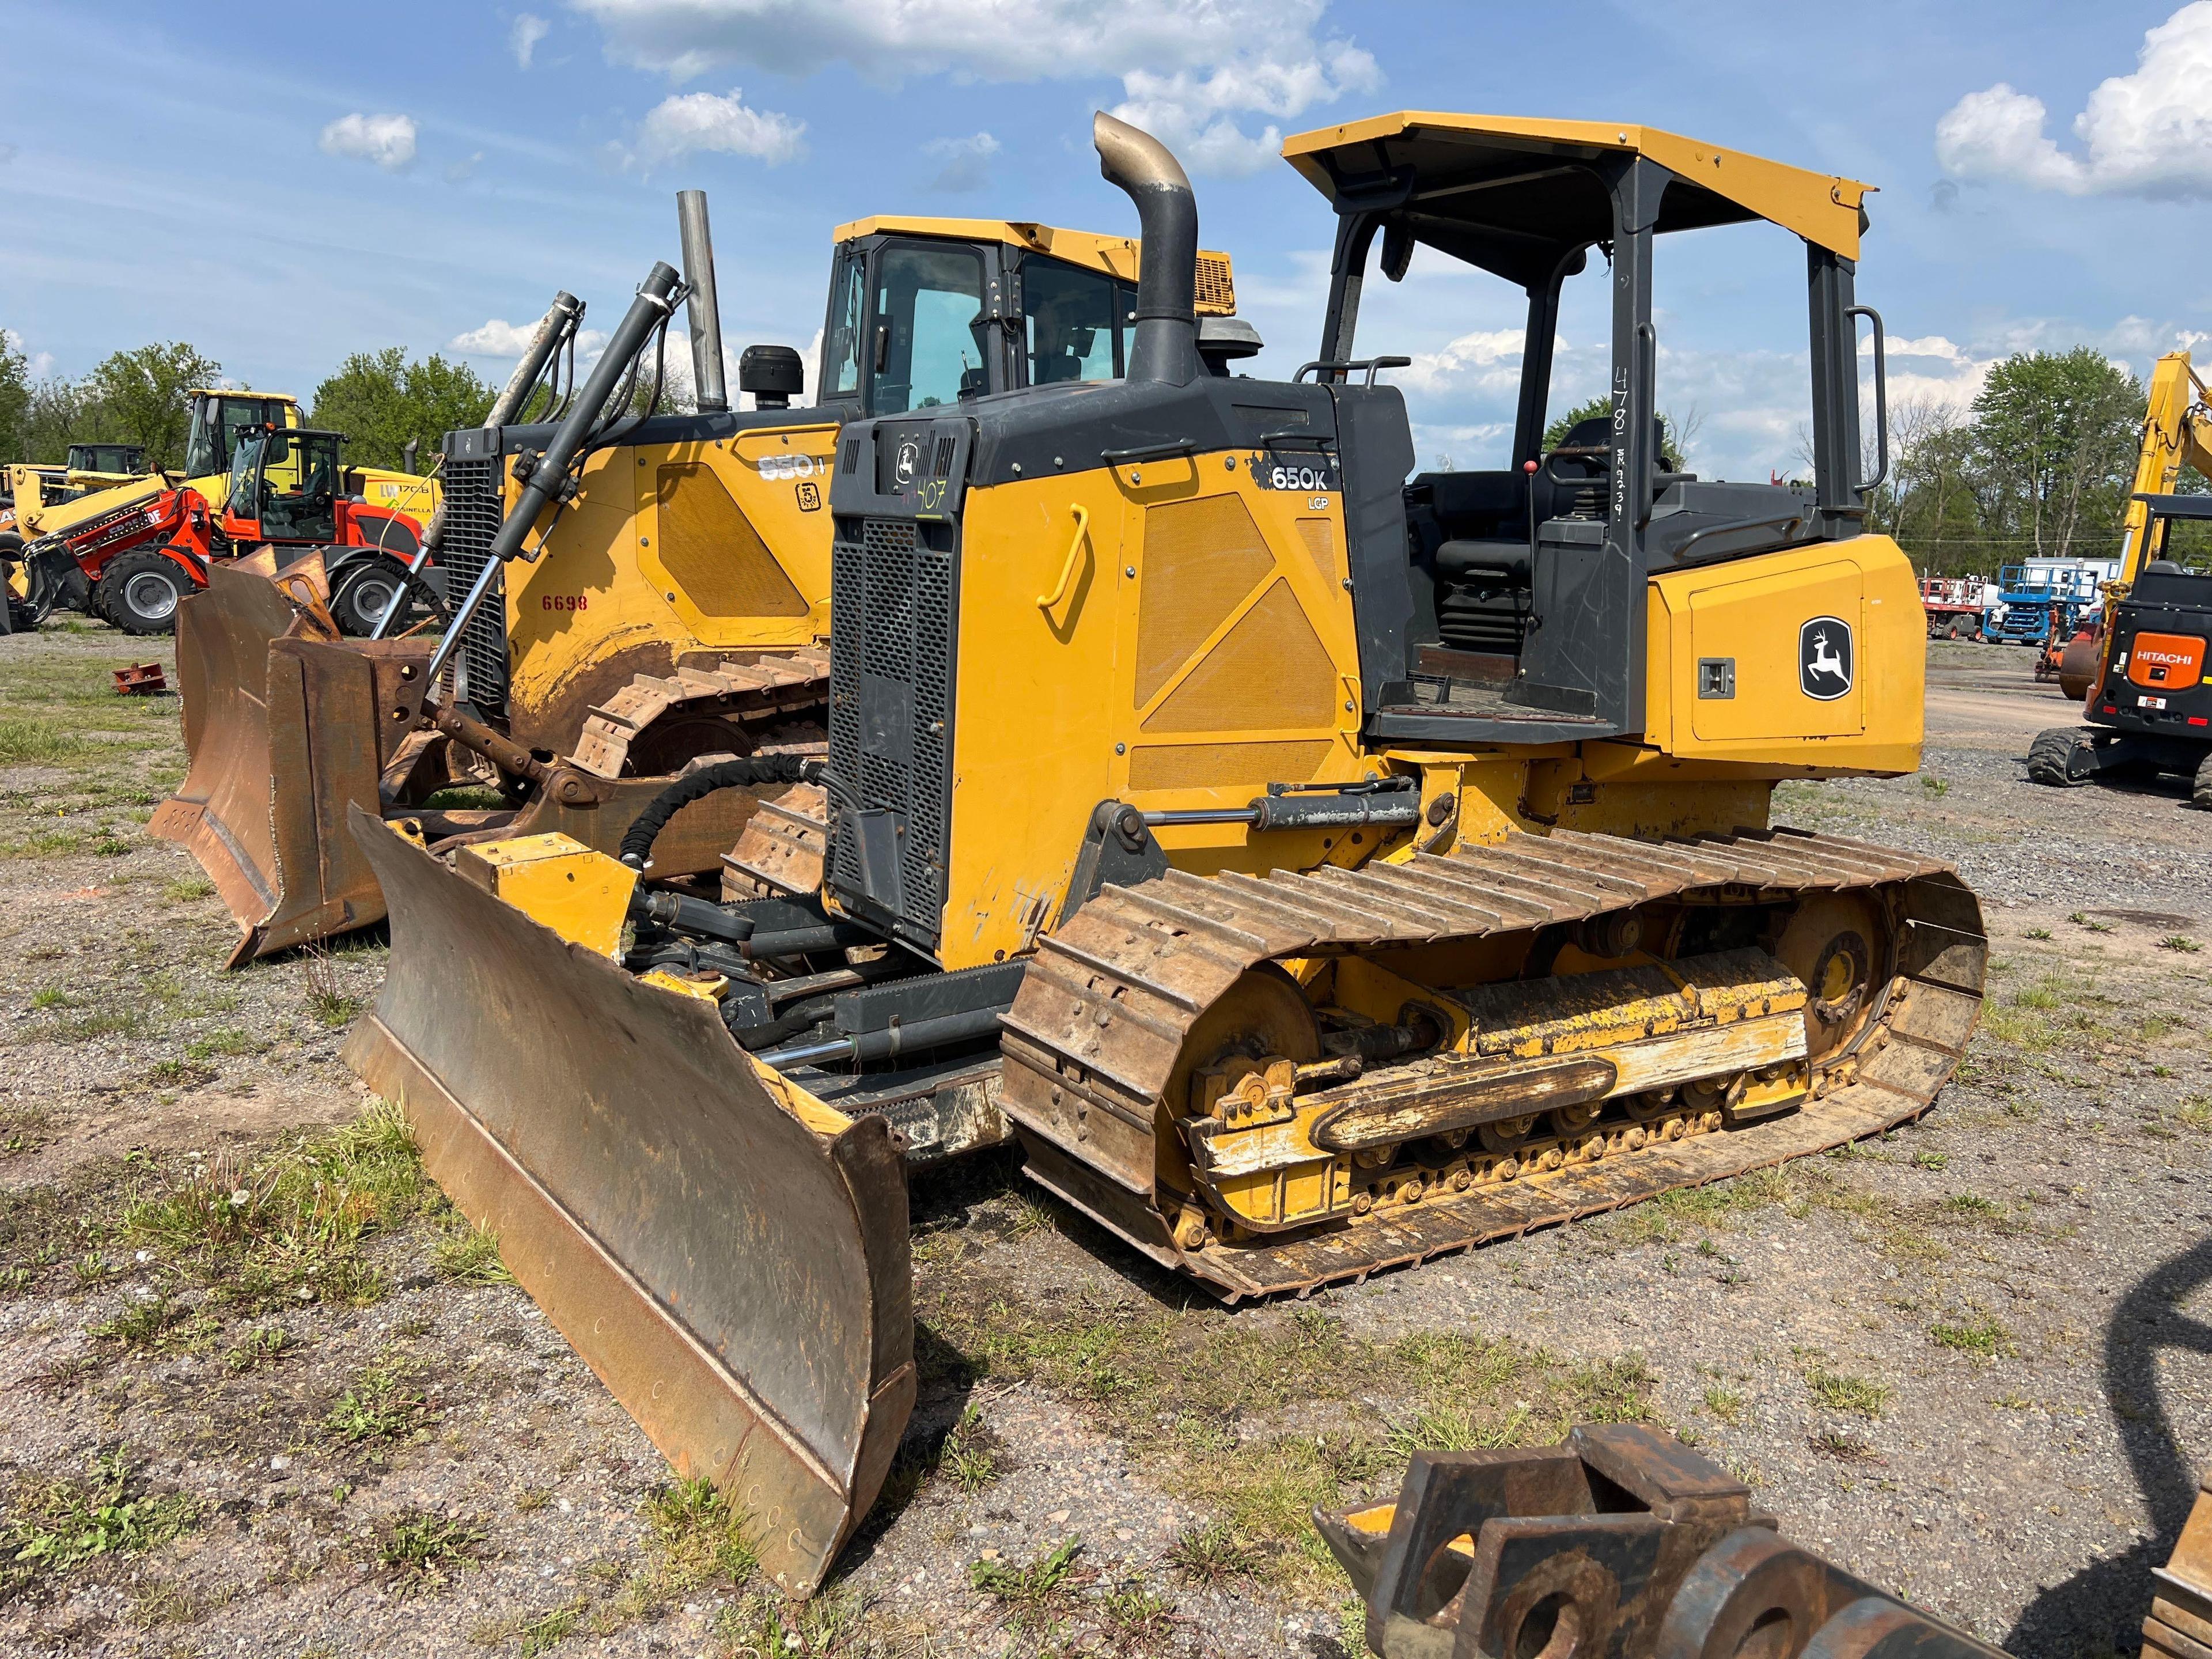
(1045, 601)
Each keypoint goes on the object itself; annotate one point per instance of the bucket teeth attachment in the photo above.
(729, 1254)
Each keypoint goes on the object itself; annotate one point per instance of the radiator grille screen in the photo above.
(891, 716)
(473, 511)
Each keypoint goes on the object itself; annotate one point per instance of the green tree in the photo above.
(55, 414)
(14, 399)
(380, 400)
(140, 398)
(1675, 435)
(1929, 503)
(2054, 436)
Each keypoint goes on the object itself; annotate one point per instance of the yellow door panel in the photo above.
(1756, 624)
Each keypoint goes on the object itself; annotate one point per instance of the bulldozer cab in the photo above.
(924, 313)
(284, 487)
(1508, 605)
(115, 462)
(217, 419)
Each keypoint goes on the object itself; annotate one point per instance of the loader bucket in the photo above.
(729, 1256)
(285, 731)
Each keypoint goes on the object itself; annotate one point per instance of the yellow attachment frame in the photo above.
(559, 882)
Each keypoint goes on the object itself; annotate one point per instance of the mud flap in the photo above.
(729, 1256)
(285, 731)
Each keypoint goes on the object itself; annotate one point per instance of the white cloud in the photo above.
(1192, 74)
(967, 161)
(694, 121)
(37, 364)
(498, 337)
(523, 36)
(2145, 134)
(387, 140)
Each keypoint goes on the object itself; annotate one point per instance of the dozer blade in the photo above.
(729, 1256)
(284, 732)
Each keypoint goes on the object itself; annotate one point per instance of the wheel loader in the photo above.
(2140, 671)
(1319, 866)
(62, 538)
(658, 591)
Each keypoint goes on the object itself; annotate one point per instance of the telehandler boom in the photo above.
(1318, 866)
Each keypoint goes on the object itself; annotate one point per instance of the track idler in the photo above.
(1619, 1541)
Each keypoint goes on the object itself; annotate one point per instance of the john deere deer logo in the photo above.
(1824, 658)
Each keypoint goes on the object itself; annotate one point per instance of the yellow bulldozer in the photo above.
(655, 592)
(1318, 865)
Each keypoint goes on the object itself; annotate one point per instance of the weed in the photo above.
(1135, 1616)
(51, 996)
(108, 1020)
(185, 888)
(1725, 1404)
(539, 1634)
(770, 1627)
(470, 1255)
(700, 1537)
(109, 845)
(421, 1550)
(2098, 926)
(1937, 787)
(970, 1454)
(225, 1041)
(530, 1499)
(141, 1324)
(381, 1405)
(267, 1343)
(1971, 1204)
(1981, 1335)
(2196, 1111)
(1212, 1553)
(328, 1001)
(2180, 942)
(55, 1525)
(1861, 1395)
(2039, 933)
(175, 1074)
(1932, 1160)
(1031, 1588)
(1847, 1448)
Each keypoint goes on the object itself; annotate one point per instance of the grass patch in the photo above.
(698, 1537)
(769, 1627)
(186, 889)
(1981, 1336)
(142, 1324)
(470, 1255)
(382, 1406)
(419, 1550)
(52, 1526)
(2196, 1111)
(225, 1041)
(1034, 1587)
(1860, 1396)
(259, 1348)
(1171, 1379)
(1726, 1404)
(535, 1633)
(1213, 1555)
(26, 741)
(2180, 942)
(260, 1230)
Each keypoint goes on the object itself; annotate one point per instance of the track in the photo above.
(1116, 996)
(775, 684)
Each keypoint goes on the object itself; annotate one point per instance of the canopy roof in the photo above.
(2179, 507)
(1511, 195)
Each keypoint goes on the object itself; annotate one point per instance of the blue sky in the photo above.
(284, 187)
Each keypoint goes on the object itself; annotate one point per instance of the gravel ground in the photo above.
(1968, 1361)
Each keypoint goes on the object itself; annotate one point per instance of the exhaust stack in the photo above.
(1166, 344)
(705, 313)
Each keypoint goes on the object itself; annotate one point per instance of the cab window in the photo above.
(926, 329)
(1073, 322)
(846, 328)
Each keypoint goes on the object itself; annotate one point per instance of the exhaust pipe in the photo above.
(651, 309)
(1166, 344)
(705, 313)
(566, 311)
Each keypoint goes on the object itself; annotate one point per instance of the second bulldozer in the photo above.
(1318, 866)
(671, 601)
